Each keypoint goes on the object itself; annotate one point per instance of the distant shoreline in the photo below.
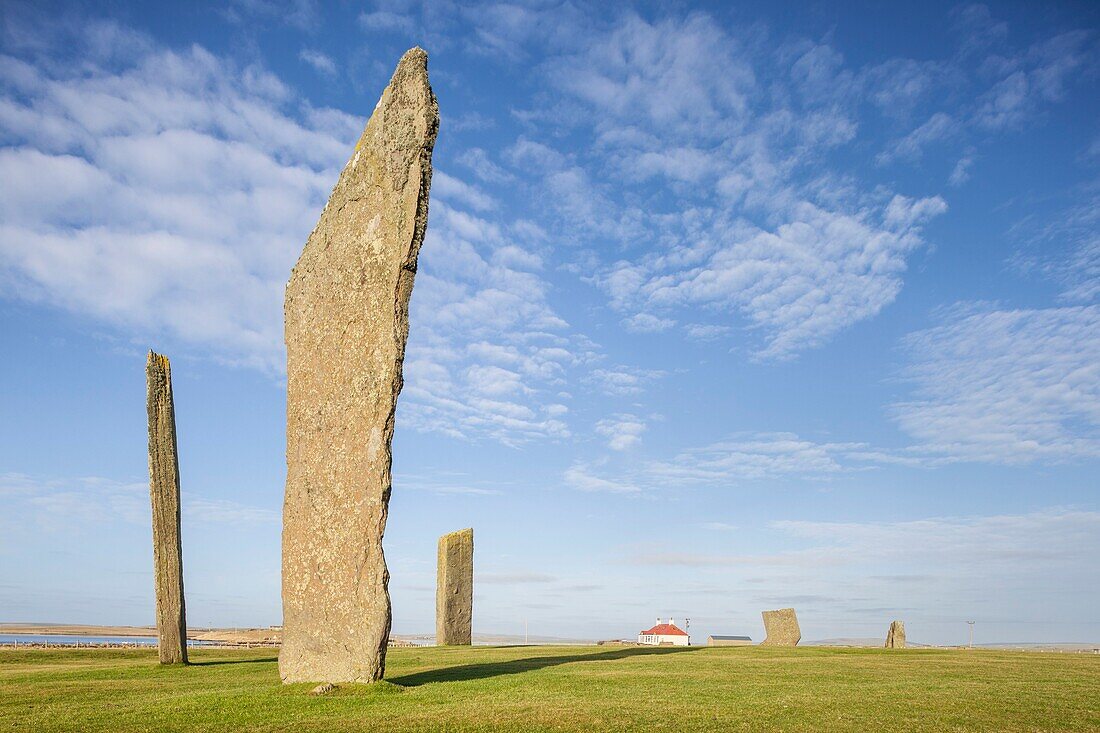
(231, 636)
(260, 635)
(241, 635)
(81, 630)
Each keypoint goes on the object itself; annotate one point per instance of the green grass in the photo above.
(561, 688)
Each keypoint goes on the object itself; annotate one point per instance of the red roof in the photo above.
(665, 630)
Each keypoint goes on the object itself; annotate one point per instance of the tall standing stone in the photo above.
(895, 637)
(164, 494)
(781, 628)
(454, 589)
(347, 321)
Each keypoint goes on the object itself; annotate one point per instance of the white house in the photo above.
(668, 633)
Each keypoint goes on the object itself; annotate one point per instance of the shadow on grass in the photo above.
(217, 662)
(519, 666)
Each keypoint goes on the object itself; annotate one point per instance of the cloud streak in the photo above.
(1006, 386)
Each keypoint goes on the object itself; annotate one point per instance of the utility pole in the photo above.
(971, 623)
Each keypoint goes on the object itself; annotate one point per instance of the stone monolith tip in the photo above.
(347, 321)
(454, 590)
(164, 495)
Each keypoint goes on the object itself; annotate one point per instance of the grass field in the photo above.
(562, 689)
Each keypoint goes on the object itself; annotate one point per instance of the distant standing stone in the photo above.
(781, 628)
(164, 494)
(895, 637)
(347, 321)
(454, 589)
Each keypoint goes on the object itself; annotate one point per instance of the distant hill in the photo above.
(846, 641)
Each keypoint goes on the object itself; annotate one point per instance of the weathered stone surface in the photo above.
(164, 494)
(454, 589)
(322, 689)
(347, 321)
(781, 628)
(895, 637)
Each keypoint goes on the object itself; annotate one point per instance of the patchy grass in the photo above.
(561, 689)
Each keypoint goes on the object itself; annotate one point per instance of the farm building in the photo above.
(668, 633)
(716, 640)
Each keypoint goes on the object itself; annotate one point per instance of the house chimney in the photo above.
(658, 620)
(671, 621)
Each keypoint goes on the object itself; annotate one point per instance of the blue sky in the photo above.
(720, 309)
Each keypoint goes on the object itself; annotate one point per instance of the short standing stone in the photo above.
(895, 637)
(781, 628)
(454, 589)
(164, 494)
(347, 321)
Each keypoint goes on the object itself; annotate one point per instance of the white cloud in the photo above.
(803, 559)
(1006, 542)
(482, 166)
(960, 174)
(706, 331)
(1006, 386)
(904, 213)
(444, 483)
(487, 354)
(800, 284)
(647, 323)
(319, 61)
(621, 381)
(59, 503)
(1055, 542)
(503, 30)
(220, 511)
(622, 431)
(386, 20)
(1031, 79)
(977, 29)
(897, 86)
(1081, 274)
(524, 153)
(300, 14)
(449, 188)
(752, 458)
(1066, 248)
(169, 198)
(737, 462)
(663, 73)
(938, 127)
(514, 578)
(467, 490)
(580, 477)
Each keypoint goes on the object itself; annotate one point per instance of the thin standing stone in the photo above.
(164, 494)
(454, 589)
(347, 321)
